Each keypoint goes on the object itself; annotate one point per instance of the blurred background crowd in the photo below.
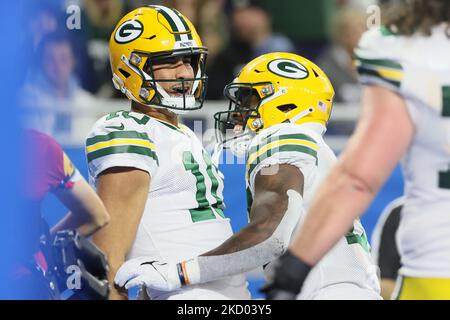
(69, 68)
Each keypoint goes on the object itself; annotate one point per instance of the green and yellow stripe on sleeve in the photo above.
(385, 70)
(300, 143)
(120, 142)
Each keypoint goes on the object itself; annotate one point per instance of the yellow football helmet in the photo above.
(277, 88)
(146, 35)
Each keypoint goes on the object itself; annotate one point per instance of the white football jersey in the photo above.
(418, 69)
(183, 216)
(349, 262)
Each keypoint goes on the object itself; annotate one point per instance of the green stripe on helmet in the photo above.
(172, 24)
(183, 20)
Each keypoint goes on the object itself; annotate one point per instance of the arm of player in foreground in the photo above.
(124, 192)
(87, 212)
(382, 136)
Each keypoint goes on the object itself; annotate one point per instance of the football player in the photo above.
(153, 174)
(406, 115)
(280, 104)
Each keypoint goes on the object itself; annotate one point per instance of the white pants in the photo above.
(342, 291)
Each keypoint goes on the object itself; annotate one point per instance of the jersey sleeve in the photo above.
(120, 143)
(54, 167)
(281, 144)
(376, 59)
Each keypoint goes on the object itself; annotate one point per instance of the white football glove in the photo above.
(154, 273)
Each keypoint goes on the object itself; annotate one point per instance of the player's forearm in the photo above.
(251, 235)
(370, 156)
(264, 240)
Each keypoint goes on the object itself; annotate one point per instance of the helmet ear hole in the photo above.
(124, 73)
(286, 107)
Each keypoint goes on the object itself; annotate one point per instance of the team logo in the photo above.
(128, 31)
(288, 69)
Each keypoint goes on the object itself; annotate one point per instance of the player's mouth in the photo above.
(178, 91)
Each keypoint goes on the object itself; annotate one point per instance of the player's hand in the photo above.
(151, 272)
(288, 278)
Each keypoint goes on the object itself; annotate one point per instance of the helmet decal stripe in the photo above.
(175, 22)
(170, 21)
(186, 27)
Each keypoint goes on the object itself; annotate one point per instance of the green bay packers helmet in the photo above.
(277, 88)
(150, 34)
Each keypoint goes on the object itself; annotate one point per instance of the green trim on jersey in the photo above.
(373, 73)
(379, 63)
(171, 126)
(122, 149)
(118, 135)
(446, 101)
(271, 139)
(249, 202)
(444, 180)
(278, 149)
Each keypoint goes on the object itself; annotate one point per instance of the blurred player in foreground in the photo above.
(280, 105)
(156, 179)
(406, 116)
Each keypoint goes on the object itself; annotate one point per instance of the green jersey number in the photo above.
(352, 237)
(205, 210)
(126, 114)
(444, 176)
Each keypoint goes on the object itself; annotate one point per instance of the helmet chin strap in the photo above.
(317, 127)
(302, 114)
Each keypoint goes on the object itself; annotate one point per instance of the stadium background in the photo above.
(67, 86)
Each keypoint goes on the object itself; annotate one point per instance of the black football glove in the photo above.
(290, 274)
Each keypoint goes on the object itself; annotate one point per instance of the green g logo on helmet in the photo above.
(128, 31)
(288, 69)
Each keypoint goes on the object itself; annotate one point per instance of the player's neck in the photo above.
(157, 113)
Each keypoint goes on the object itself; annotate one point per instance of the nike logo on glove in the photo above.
(121, 127)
